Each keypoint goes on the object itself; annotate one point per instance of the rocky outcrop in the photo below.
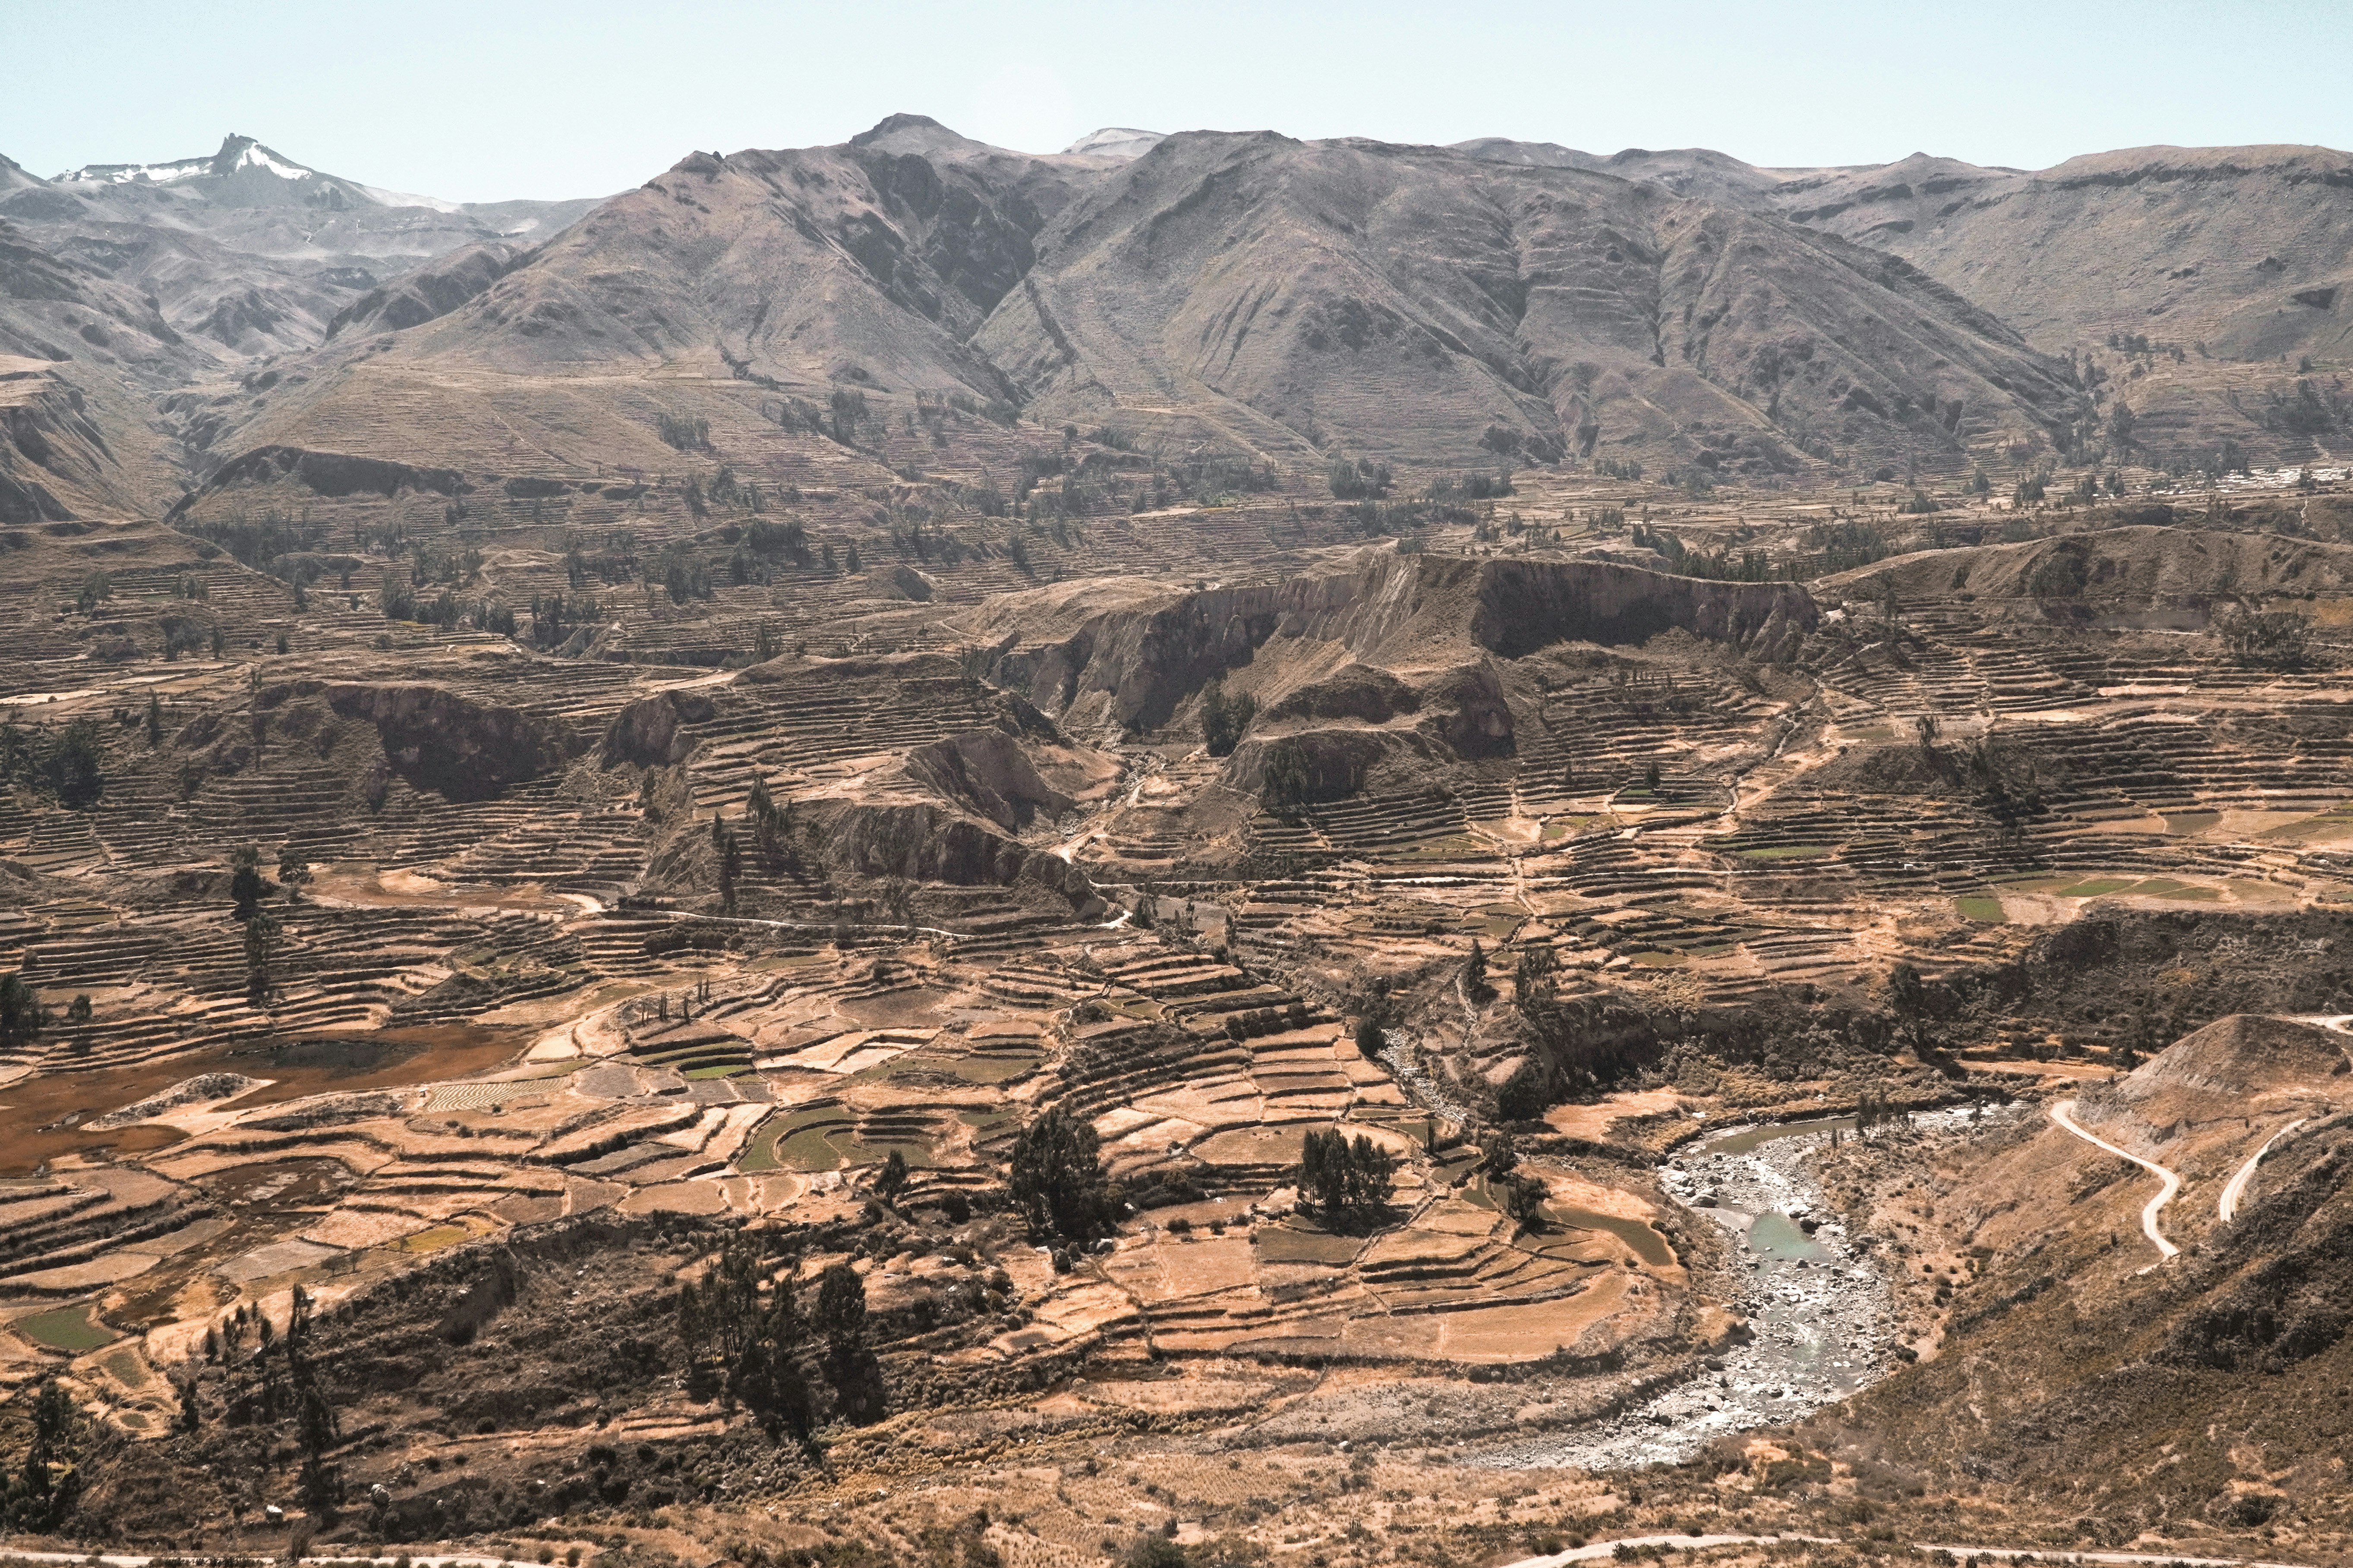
(326, 474)
(1340, 761)
(51, 452)
(651, 732)
(988, 772)
(451, 744)
(1524, 605)
(928, 843)
(1129, 652)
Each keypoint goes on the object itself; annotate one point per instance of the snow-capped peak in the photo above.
(1116, 142)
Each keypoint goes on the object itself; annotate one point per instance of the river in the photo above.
(1818, 1306)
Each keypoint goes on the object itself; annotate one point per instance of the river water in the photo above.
(1816, 1305)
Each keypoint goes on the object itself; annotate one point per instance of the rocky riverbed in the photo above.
(1819, 1307)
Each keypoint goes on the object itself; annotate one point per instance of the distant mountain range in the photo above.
(1492, 301)
(247, 252)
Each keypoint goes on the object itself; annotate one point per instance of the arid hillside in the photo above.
(1211, 852)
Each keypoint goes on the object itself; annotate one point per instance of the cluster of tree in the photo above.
(1347, 1181)
(1534, 977)
(1475, 983)
(680, 573)
(850, 412)
(2005, 785)
(773, 831)
(68, 766)
(1723, 567)
(615, 561)
(1223, 719)
(1360, 479)
(686, 432)
(276, 1381)
(555, 617)
(1058, 1183)
(788, 538)
(729, 857)
(747, 1331)
(2309, 410)
(42, 1492)
(246, 888)
(256, 541)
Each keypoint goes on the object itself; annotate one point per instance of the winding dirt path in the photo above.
(2238, 1187)
(2064, 1113)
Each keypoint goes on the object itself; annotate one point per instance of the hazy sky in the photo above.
(493, 99)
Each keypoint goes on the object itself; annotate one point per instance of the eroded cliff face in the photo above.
(57, 461)
(925, 841)
(440, 740)
(1380, 634)
(1524, 605)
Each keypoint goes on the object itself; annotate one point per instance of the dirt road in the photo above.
(2064, 1113)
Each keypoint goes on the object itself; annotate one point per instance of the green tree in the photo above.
(154, 721)
(293, 871)
(262, 933)
(1475, 983)
(1522, 1198)
(74, 768)
(43, 1491)
(246, 886)
(891, 1179)
(841, 1307)
(1224, 718)
(1532, 979)
(1907, 991)
(730, 856)
(1059, 1182)
(21, 1015)
(1349, 1183)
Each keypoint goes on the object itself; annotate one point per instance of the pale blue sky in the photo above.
(481, 100)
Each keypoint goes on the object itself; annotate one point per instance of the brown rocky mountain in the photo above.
(1497, 302)
(1417, 302)
(2243, 249)
(2184, 268)
(1267, 296)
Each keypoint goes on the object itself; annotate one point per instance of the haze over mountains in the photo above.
(1494, 301)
